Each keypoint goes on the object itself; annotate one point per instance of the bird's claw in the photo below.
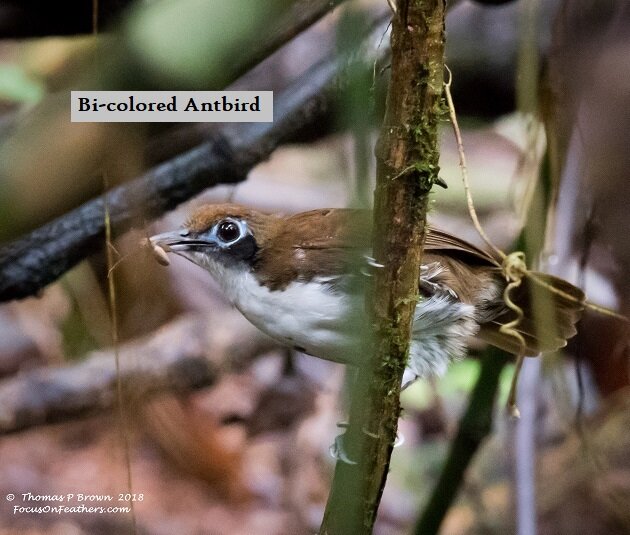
(338, 452)
(372, 263)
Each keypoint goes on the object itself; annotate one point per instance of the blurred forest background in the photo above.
(224, 431)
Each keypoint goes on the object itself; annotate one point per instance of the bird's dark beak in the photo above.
(179, 241)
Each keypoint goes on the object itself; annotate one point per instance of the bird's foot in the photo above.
(372, 264)
(338, 452)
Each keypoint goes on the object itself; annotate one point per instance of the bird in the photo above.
(300, 279)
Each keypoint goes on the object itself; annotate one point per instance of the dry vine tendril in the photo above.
(513, 266)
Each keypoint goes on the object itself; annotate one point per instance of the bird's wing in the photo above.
(352, 229)
(332, 242)
(440, 241)
(335, 242)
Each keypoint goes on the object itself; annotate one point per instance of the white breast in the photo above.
(304, 315)
(328, 324)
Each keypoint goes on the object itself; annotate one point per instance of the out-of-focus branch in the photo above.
(474, 426)
(407, 165)
(524, 444)
(30, 263)
(70, 170)
(301, 15)
(181, 356)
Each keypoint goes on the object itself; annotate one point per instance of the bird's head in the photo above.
(229, 240)
(217, 237)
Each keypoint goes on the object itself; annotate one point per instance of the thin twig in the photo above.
(463, 165)
(513, 266)
(113, 315)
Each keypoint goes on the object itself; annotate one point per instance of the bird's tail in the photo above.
(551, 307)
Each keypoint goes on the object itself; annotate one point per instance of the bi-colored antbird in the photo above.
(297, 278)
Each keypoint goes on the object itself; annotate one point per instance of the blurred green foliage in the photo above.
(198, 44)
(457, 383)
(16, 85)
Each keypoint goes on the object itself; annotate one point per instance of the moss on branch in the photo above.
(407, 156)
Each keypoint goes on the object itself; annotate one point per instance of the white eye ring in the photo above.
(228, 231)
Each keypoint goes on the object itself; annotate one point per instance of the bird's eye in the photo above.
(228, 231)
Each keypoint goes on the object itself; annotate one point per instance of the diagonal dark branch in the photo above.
(30, 263)
(301, 15)
(293, 20)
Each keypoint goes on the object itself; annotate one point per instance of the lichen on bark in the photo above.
(407, 157)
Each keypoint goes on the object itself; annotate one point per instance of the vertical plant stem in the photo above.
(113, 310)
(474, 426)
(407, 166)
(476, 423)
(524, 444)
